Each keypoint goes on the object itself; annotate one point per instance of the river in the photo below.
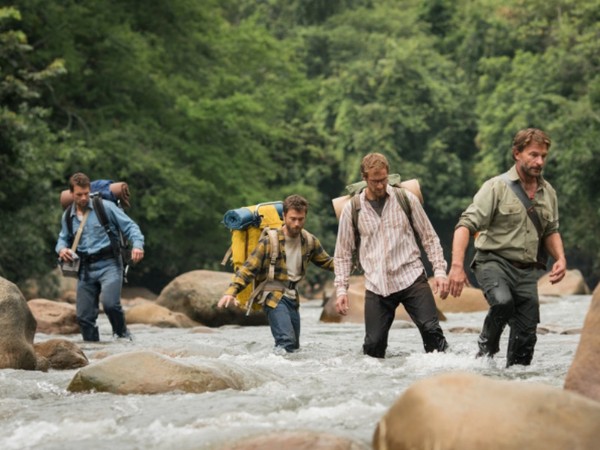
(327, 386)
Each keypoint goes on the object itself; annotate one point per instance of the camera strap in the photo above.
(79, 230)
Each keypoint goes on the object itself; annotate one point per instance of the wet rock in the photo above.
(356, 312)
(17, 325)
(196, 294)
(471, 412)
(150, 313)
(471, 300)
(584, 374)
(572, 284)
(54, 317)
(61, 354)
(296, 440)
(148, 372)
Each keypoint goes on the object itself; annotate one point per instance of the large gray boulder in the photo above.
(472, 412)
(17, 329)
(197, 293)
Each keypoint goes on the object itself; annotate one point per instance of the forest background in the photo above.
(205, 106)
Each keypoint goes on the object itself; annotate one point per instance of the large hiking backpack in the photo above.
(355, 189)
(117, 193)
(248, 225)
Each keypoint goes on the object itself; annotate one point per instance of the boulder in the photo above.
(18, 329)
(471, 412)
(572, 284)
(295, 440)
(584, 374)
(148, 372)
(54, 317)
(356, 312)
(471, 300)
(61, 354)
(196, 295)
(150, 313)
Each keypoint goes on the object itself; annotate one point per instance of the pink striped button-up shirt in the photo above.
(389, 253)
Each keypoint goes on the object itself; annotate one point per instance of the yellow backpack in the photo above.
(247, 226)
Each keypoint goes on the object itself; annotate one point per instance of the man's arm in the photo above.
(246, 273)
(457, 276)
(554, 246)
(320, 257)
(343, 258)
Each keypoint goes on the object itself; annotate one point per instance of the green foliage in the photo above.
(207, 106)
(30, 156)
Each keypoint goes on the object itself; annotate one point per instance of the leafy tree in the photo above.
(31, 156)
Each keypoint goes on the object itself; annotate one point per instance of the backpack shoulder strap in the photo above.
(274, 240)
(101, 212)
(310, 242)
(69, 220)
(355, 210)
(406, 207)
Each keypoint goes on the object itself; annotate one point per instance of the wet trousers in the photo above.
(100, 280)
(284, 321)
(419, 304)
(513, 298)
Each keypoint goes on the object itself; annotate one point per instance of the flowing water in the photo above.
(327, 386)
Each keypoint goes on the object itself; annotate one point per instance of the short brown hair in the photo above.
(296, 202)
(79, 179)
(373, 161)
(525, 137)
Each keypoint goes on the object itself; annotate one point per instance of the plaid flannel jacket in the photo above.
(257, 265)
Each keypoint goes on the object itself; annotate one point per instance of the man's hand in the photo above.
(441, 287)
(458, 279)
(226, 299)
(342, 305)
(136, 255)
(65, 254)
(558, 272)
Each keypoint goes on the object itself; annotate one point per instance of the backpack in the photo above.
(248, 225)
(355, 189)
(117, 193)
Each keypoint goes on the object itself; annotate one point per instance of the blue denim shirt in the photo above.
(94, 237)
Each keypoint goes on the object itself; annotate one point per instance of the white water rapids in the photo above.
(327, 386)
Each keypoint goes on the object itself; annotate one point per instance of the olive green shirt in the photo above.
(500, 223)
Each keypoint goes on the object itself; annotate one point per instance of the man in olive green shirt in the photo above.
(506, 242)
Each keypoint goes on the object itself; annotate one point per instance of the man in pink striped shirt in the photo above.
(391, 260)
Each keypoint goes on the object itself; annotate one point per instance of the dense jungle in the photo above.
(205, 106)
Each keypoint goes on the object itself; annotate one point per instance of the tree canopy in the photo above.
(208, 106)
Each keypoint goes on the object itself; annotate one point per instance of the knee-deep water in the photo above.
(327, 386)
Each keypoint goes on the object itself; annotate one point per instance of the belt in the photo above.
(523, 266)
(105, 253)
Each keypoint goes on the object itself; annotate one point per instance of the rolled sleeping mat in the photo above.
(410, 185)
(118, 191)
(242, 218)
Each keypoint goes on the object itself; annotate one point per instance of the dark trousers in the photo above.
(513, 299)
(419, 304)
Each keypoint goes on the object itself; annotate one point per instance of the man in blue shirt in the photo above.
(101, 272)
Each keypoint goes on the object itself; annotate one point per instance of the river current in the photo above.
(327, 386)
